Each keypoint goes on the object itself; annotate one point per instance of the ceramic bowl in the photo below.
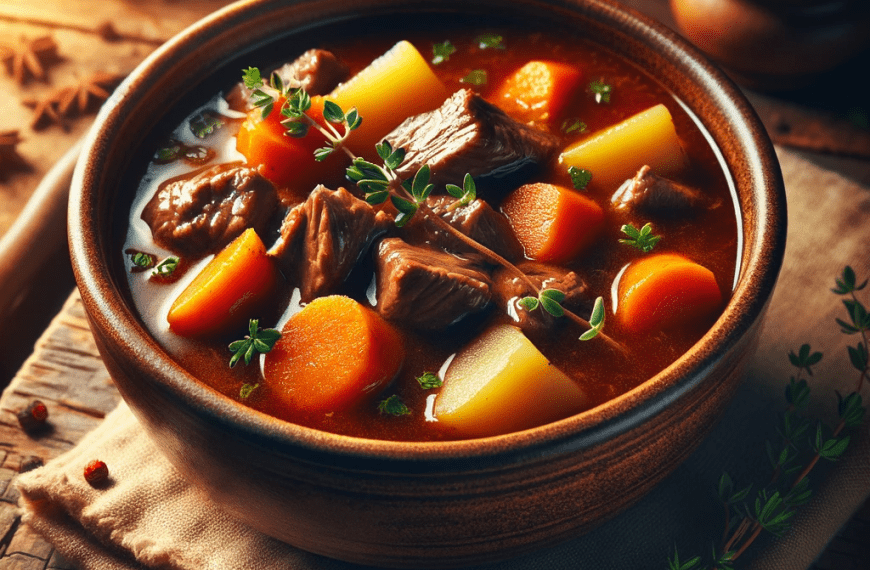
(421, 504)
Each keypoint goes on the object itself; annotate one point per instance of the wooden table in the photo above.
(65, 370)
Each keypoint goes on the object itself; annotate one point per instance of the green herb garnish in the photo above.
(168, 153)
(379, 183)
(801, 443)
(442, 51)
(490, 41)
(246, 390)
(601, 91)
(573, 125)
(643, 238)
(205, 124)
(476, 77)
(295, 109)
(141, 260)
(429, 380)
(166, 267)
(550, 300)
(596, 320)
(580, 177)
(256, 341)
(393, 406)
(465, 195)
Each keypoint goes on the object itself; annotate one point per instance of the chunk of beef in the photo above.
(509, 289)
(323, 238)
(196, 215)
(426, 288)
(477, 220)
(469, 135)
(650, 195)
(318, 71)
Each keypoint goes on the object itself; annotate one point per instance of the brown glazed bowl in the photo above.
(420, 504)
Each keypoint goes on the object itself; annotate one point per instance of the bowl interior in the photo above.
(210, 55)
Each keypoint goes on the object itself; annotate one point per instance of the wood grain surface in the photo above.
(64, 372)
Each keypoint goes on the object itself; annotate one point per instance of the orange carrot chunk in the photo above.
(553, 224)
(286, 161)
(665, 291)
(228, 290)
(332, 355)
(538, 91)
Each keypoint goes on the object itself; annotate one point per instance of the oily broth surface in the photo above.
(710, 238)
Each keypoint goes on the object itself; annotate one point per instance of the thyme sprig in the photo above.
(773, 506)
(295, 110)
(381, 182)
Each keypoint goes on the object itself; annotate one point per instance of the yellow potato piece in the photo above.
(616, 153)
(501, 383)
(395, 86)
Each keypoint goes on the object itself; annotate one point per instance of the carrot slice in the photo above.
(285, 160)
(666, 291)
(539, 91)
(332, 355)
(227, 291)
(554, 224)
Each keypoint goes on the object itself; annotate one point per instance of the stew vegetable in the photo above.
(435, 239)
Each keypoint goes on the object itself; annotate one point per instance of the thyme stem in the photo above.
(498, 259)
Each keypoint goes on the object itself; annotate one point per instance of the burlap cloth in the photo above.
(149, 517)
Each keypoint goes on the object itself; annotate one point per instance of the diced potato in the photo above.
(501, 383)
(397, 85)
(616, 153)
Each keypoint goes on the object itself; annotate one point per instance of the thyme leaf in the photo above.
(490, 41)
(393, 406)
(600, 91)
(256, 341)
(573, 125)
(429, 380)
(642, 239)
(442, 52)
(596, 320)
(476, 77)
(580, 177)
(166, 267)
(246, 390)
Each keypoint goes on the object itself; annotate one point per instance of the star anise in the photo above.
(72, 100)
(29, 58)
(10, 160)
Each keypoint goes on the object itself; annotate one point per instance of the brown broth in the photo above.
(710, 238)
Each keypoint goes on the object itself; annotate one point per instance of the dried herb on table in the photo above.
(29, 58)
(72, 100)
(10, 160)
(801, 444)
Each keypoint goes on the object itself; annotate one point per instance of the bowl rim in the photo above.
(760, 263)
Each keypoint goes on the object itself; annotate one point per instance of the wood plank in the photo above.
(66, 373)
